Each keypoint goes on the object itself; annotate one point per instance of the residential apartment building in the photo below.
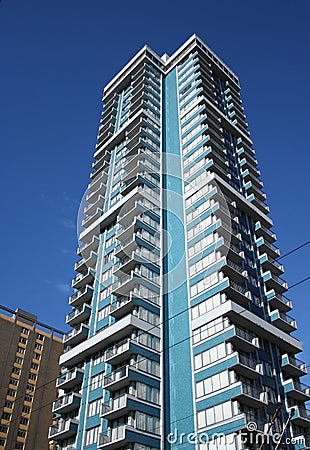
(29, 355)
(179, 316)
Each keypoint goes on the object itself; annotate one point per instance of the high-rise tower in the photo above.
(179, 321)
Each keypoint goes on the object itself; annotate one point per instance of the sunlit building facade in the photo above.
(180, 325)
(29, 364)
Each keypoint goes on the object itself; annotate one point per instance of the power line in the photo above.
(292, 251)
(133, 340)
(86, 386)
(300, 282)
(157, 326)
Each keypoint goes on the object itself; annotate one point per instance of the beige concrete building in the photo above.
(29, 355)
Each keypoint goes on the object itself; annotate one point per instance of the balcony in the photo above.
(258, 203)
(81, 296)
(140, 256)
(252, 189)
(229, 232)
(271, 265)
(126, 283)
(234, 271)
(243, 339)
(123, 376)
(82, 279)
(118, 379)
(296, 390)
(143, 200)
(91, 219)
(262, 231)
(92, 207)
(144, 157)
(276, 301)
(273, 282)
(253, 177)
(67, 403)
(115, 439)
(293, 366)
(246, 165)
(64, 429)
(139, 166)
(70, 379)
(121, 405)
(266, 247)
(126, 231)
(100, 164)
(139, 180)
(78, 315)
(98, 185)
(125, 304)
(237, 293)
(301, 416)
(77, 335)
(84, 263)
(251, 396)
(116, 407)
(246, 366)
(93, 196)
(232, 251)
(120, 437)
(86, 249)
(283, 321)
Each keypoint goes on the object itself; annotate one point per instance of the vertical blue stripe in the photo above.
(178, 392)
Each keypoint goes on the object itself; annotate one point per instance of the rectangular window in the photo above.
(25, 331)
(21, 433)
(13, 381)
(11, 393)
(21, 350)
(96, 381)
(94, 408)
(91, 436)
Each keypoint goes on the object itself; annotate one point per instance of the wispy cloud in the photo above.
(71, 200)
(67, 223)
(67, 251)
(64, 288)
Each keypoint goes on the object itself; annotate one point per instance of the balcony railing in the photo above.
(63, 429)
(283, 321)
(292, 364)
(70, 377)
(76, 335)
(67, 402)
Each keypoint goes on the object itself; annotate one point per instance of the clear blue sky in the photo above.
(55, 58)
